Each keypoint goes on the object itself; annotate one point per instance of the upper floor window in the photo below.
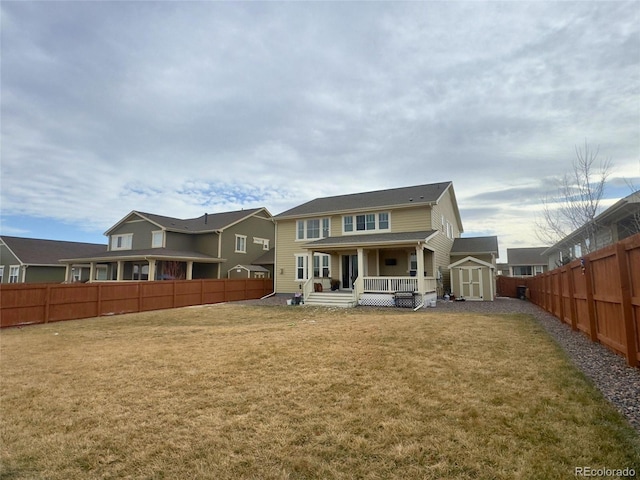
(262, 241)
(157, 239)
(241, 244)
(312, 229)
(368, 222)
(122, 242)
(1, 273)
(449, 230)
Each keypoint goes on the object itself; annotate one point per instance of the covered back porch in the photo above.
(373, 268)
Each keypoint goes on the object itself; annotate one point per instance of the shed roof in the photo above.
(474, 245)
(36, 251)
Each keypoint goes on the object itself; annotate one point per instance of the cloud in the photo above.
(178, 108)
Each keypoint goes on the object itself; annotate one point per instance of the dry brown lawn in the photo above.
(244, 392)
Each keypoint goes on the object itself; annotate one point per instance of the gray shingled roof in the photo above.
(208, 222)
(268, 258)
(35, 251)
(475, 245)
(526, 256)
(376, 238)
(416, 195)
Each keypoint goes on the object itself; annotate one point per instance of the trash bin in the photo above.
(522, 292)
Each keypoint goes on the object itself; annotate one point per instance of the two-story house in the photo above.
(35, 260)
(145, 246)
(368, 245)
(619, 221)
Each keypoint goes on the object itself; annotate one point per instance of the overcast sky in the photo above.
(181, 108)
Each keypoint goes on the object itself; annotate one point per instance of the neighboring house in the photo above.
(145, 246)
(374, 244)
(616, 223)
(473, 268)
(33, 260)
(526, 262)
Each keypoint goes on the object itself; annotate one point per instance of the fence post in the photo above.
(627, 308)
(572, 300)
(47, 301)
(99, 303)
(593, 326)
(560, 297)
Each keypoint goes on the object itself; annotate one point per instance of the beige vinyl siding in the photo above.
(410, 219)
(286, 249)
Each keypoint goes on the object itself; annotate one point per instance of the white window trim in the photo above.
(262, 241)
(12, 269)
(321, 257)
(305, 267)
(376, 229)
(126, 244)
(1, 273)
(320, 229)
(162, 239)
(244, 243)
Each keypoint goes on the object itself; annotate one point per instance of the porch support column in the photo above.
(420, 268)
(190, 270)
(310, 264)
(120, 271)
(67, 273)
(152, 269)
(92, 271)
(360, 280)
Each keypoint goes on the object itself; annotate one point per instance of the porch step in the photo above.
(344, 300)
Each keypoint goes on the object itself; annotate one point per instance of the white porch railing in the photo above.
(397, 284)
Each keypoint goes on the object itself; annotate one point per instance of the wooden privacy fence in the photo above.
(22, 304)
(598, 295)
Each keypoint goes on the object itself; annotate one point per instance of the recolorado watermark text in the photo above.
(604, 472)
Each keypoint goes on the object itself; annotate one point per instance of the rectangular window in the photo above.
(538, 269)
(14, 273)
(1, 273)
(383, 221)
(348, 224)
(449, 230)
(321, 265)
(312, 229)
(262, 241)
(241, 244)
(122, 242)
(522, 271)
(157, 239)
(369, 222)
(301, 267)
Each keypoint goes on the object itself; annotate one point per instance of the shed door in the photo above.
(471, 282)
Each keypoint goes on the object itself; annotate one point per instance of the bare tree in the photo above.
(576, 202)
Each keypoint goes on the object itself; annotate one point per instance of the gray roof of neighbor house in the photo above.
(209, 222)
(416, 195)
(475, 245)
(35, 251)
(526, 256)
(157, 253)
(268, 258)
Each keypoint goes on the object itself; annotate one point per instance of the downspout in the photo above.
(219, 232)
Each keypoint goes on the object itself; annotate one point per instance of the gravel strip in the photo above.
(619, 383)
